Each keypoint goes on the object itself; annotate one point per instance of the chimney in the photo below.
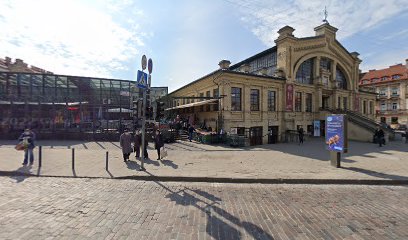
(8, 61)
(224, 64)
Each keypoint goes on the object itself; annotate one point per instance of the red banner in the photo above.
(289, 97)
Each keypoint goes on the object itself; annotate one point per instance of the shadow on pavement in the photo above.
(220, 224)
(132, 165)
(375, 173)
(150, 161)
(169, 163)
(23, 169)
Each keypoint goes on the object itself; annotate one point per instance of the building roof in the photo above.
(226, 71)
(250, 59)
(398, 69)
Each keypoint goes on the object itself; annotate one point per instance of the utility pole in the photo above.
(143, 131)
(144, 83)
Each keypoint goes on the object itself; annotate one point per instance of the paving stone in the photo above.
(40, 208)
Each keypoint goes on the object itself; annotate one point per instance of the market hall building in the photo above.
(268, 96)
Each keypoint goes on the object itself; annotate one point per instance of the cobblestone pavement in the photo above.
(365, 161)
(66, 208)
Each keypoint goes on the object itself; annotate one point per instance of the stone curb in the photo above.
(232, 180)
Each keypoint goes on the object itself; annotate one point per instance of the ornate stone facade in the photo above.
(321, 73)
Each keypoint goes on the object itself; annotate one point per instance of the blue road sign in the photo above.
(141, 79)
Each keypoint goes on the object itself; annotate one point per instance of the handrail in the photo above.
(359, 119)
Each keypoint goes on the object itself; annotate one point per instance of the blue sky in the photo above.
(187, 38)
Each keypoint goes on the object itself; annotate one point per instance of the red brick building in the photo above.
(391, 85)
(7, 65)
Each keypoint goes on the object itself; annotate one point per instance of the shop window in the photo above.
(394, 120)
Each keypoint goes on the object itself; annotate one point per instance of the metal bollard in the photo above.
(73, 158)
(39, 156)
(107, 161)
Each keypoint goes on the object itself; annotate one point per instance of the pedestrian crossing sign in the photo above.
(141, 79)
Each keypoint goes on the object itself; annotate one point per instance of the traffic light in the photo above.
(159, 110)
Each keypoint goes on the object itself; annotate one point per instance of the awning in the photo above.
(194, 104)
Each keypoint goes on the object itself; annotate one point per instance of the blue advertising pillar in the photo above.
(336, 137)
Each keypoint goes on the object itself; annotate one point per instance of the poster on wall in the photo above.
(316, 128)
(289, 97)
(336, 137)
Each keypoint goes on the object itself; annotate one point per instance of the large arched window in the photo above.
(341, 80)
(305, 72)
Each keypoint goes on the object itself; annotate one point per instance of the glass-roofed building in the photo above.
(59, 106)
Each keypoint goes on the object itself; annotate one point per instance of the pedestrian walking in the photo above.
(27, 139)
(146, 154)
(379, 136)
(137, 143)
(301, 135)
(126, 144)
(406, 135)
(158, 143)
(191, 129)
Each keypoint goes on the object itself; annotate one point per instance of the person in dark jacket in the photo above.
(28, 138)
(158, 143)
(301, 135)
(137, 143)
(191, 129)
(126, 144)
(379, 136)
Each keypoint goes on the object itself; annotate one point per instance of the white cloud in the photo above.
(68, 37)
(267, 16)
